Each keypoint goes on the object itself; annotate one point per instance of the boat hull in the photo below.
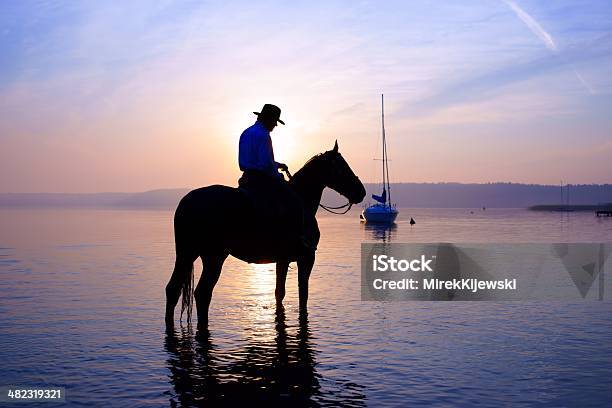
(379, 214)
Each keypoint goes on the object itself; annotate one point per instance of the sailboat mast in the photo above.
(383, 140)
(386, 183)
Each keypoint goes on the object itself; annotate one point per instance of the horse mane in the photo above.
(308, 165)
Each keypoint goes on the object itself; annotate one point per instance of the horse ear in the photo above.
(336, 146)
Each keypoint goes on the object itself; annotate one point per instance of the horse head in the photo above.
(339, 176)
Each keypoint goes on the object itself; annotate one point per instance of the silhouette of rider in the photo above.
(262, 177)
(255, 149)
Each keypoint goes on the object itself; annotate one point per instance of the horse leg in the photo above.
(281, 277)
(183, 268)
(305, 264)
(203, 293)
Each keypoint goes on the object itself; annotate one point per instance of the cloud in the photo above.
(583, 81)
(533, 25)
(546, 38)
(483, 86)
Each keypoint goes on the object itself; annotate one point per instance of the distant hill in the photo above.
(429, 195)
(154, 198)
(166, 198)
(494, 195)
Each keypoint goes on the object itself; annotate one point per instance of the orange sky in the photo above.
(114, 97)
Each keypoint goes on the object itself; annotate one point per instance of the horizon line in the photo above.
(365, 183)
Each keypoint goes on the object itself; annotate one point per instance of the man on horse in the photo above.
(273, 196)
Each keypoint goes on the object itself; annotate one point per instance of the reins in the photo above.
(330, 209)
(326, 208)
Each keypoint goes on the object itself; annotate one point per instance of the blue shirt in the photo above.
(255, 151)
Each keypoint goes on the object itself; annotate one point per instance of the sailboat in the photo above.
(383, 211)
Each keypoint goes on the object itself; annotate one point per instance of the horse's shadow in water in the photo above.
(273, 371)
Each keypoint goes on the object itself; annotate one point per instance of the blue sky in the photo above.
(128, 96)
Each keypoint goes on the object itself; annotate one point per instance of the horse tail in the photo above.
(187, 294)
(185, 255)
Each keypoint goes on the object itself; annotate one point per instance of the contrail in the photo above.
(583, 81)
(533, 25)
(546, 38)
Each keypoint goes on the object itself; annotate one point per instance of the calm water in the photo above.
(82, 299)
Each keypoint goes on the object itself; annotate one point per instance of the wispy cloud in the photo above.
(546, 38)
(533, 25)
(489, 84)
(583, 81)
(173, 83)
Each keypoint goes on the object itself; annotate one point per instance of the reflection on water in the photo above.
(384, 232)
(279, 369)
(82, 299)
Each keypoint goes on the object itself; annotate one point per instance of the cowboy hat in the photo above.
(270, 111)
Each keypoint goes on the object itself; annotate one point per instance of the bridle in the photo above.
(328, 208)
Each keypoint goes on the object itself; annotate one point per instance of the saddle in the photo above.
(276, 211)
(269, 200)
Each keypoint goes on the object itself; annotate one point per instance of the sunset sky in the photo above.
(137, 95)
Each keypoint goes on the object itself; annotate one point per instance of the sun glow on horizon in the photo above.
(163, 100)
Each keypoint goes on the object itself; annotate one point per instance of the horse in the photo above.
(217, 221)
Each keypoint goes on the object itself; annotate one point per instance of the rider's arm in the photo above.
(266, 157)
